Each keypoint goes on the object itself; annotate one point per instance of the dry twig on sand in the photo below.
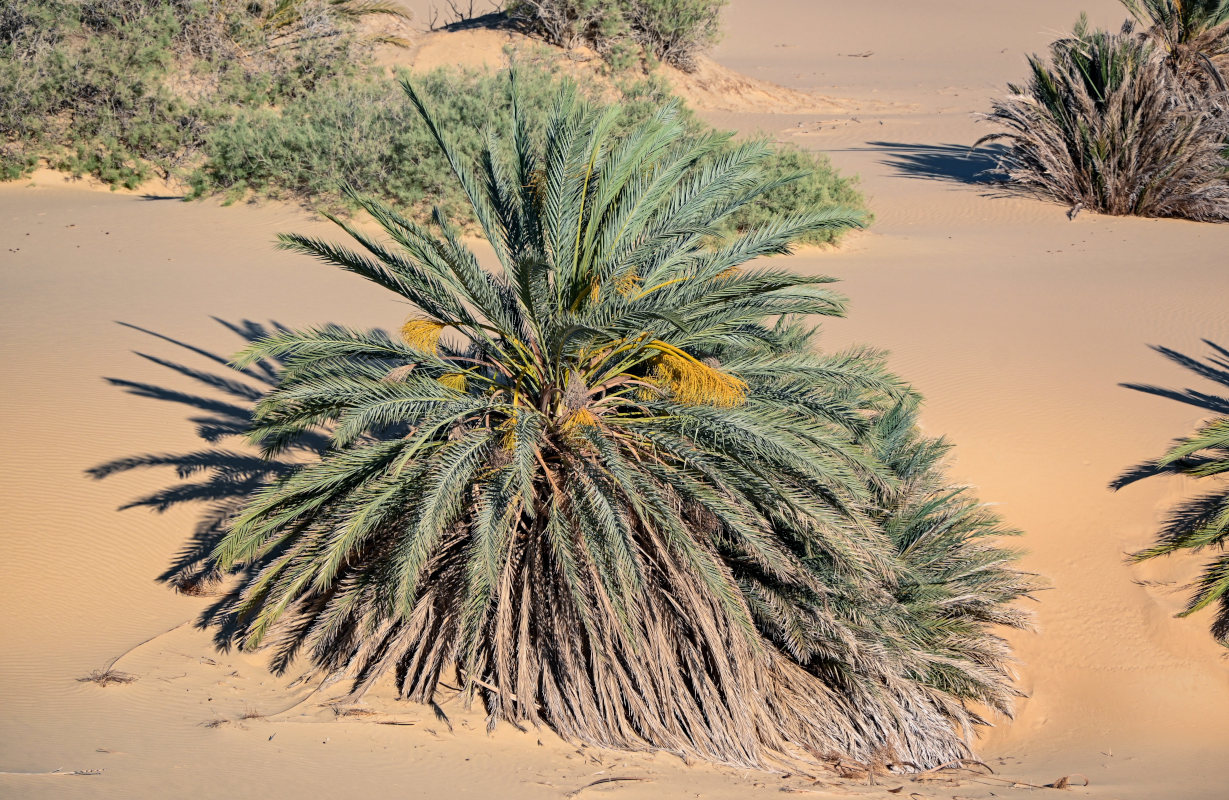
(599, 782)
(58, 772)
(944, 773)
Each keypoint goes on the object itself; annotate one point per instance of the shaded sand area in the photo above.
(1017, 325)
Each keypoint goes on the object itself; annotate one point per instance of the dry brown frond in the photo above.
(398, 374)
(677, 673)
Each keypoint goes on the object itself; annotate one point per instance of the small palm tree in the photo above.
(612, 485)
(1203, 521)
(1104, 125)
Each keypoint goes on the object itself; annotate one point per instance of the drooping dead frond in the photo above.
(673, 670)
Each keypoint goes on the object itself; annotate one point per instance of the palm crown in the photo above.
(611, 483)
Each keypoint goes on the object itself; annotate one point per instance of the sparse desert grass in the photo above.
(221, 722)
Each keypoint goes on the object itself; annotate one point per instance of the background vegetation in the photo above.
(265, 99)
(126, 89)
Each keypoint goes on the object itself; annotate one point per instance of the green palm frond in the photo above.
(1202, 521)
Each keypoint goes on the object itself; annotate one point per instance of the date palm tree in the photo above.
(611, 485)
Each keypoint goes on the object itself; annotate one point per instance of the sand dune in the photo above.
(1017, 325)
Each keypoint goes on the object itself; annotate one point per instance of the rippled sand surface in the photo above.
(1017, 324)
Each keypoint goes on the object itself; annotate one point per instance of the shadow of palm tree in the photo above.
(1216, 370)
(224, 473)
(954, 163)
(1201, 521)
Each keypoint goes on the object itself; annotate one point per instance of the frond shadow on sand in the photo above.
(222, 474)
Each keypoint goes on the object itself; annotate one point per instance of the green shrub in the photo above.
(673, 31)
(120, 89)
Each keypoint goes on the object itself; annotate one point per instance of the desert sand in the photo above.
(1017, 324)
